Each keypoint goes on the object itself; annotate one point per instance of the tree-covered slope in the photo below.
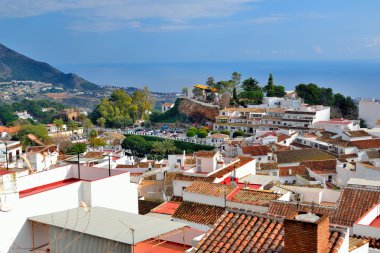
(15, 66)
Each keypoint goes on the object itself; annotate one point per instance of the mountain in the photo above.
(15, 66)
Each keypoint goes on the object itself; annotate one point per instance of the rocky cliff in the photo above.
(197, 111)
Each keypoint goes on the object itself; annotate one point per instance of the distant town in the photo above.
(227, 166)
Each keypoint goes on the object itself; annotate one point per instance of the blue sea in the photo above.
(353, 78)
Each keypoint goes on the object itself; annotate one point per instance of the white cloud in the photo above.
(98, 14)
(374, 43)
(268, 20)
(318, 49)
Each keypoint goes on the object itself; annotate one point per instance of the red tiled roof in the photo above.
(168, 208)
(242, 161)
(373, 242)
(287, 208)
(282, 137)
(353, 203)
(209, 189)
(326, 165)
(267, 166)
(198, 213)
(205, 154)
(257, 150)
(146, 205)
(253, 197)
(94, 155)
(365, 144)
(292, 171)
(181, 177)
(310, 154)
(242, 232)
(357, 133)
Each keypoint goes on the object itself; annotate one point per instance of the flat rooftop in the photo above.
(109, 224)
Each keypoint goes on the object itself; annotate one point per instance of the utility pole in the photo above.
(109, 165)
(6, 154)
(78, 166)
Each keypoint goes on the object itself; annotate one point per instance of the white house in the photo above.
(369, 111)
(55, 190)
(166, 107)
(216, 140)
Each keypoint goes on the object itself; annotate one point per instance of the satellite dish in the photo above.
(5, 208)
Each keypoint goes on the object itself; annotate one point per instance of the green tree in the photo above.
(210, 82)
(72, 126)
(185, 91)
(238, 133)
(363, 124)
(270, 88)
(234, 95)
(250, 84)
(190, 133)
(87, 125)
(93, 133)
(202, 133)
(97, 142)
(164, 147)
(77, 148)
(137, 144)
(236, 80)
(101, 122)
(252, 96)
(225, 132)
(58, 123)
(279, 90)
(39, 131)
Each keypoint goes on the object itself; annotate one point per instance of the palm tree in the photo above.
(58, 124)
(72, 126)
(164, 147)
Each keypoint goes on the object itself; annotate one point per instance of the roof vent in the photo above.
(308, 217)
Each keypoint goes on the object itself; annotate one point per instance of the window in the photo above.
(259, 159)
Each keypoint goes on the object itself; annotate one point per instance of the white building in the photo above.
(166, 107)
(10, 153)
(369, 111)
(24, 115)
(25, 195)
(338, 126)
(216, 140)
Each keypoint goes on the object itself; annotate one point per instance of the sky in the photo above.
(68, 33)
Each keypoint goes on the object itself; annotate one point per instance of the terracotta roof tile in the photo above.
(267, 166)
(310, 154)
(243, 232)
(257, 150)
(253, 197)
(366, 144)
(292, 171)
(326, 165)
(287, 208)
(181, 177)
(209, 189)
(373, 242)
(357, 133)
(205, 154)
(146, 205)
(242, 161)
(198, 213)
(353, 203)
(94, 154)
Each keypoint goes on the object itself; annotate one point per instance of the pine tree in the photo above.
(270, 89)
(234, 95)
